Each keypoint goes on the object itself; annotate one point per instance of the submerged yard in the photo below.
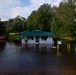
(37, 60)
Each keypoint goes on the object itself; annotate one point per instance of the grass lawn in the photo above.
(12, 36)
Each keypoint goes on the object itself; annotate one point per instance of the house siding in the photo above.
(49, 40)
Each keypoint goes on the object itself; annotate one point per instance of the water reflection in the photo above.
(58, 53)
(75, 49)
(38, 57)
(40, 48)
(2, 46)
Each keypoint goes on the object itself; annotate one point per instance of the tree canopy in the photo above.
(40, 19)
(17, 24)
(2, 28)
(63, 22)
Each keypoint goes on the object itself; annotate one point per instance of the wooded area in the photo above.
(59, 20)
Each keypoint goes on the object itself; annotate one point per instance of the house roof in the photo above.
(36, 33)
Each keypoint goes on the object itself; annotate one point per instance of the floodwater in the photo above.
(37, 59)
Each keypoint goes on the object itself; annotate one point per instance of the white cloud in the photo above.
(23, 11)
(56, 2)
(35, 4)
(9, 3)
(12, 8)
(6, 7)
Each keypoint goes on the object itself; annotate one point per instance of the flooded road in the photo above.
(37, 60)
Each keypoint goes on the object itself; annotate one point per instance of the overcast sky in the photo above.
(11, 8)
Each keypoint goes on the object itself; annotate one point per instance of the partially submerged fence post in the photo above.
(59, 42)
(68, 48)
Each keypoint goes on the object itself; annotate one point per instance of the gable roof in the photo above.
(36, 33)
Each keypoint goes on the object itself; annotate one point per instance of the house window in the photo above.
(30, 37)
(44, 37)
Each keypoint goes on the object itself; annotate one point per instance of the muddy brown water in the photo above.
(37, 59)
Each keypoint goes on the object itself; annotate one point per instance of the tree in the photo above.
(2, 28)
(32, 21)
(9, 26)
(65, 17)
(40, 19)
(18, 24)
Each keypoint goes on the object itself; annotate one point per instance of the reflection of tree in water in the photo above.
(17, 42)
(40, 48)
(75, 49)
(37, 47)
(58, 53)
(2, 46)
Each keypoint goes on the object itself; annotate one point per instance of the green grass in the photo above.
(12, 36)
(67, 37)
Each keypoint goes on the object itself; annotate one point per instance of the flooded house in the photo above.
(37, 37)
